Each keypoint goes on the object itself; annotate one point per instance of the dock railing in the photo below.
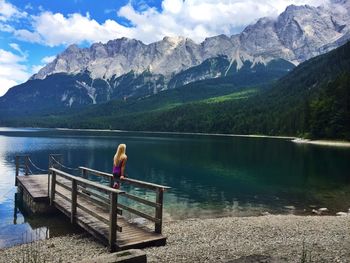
(22, 161)
(77, 187)
(157, 218)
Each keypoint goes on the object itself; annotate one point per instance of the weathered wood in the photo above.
(93, 210)
(17, 169)
(74, 201)
(84, 173)
(65, 198)
(112, 238)
(159, 212)
(26, 163)
(36, 186)
(53, 187)
(69, 188)
(136, 212)
(145, 184)
(86, 182)
(94, 194)
(95, 172)
(141, 200)
(127, 180)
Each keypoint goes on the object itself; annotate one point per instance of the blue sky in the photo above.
(32, 33)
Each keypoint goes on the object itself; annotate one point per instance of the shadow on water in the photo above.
(209, 175)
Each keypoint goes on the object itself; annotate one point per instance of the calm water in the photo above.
(209, 175)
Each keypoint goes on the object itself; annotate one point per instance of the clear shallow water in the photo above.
(209, 175)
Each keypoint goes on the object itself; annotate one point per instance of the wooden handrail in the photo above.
(86, 182)
(24, 164)
(75, 181)
(158, 204)
(127, 180)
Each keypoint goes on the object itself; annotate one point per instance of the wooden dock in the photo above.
(95, 207)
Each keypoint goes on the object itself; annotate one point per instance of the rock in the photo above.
(324, 209)
(265, 213)
(290, 207)
(314, 211)
(342, 214)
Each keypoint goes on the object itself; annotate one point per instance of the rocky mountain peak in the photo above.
(297, 34)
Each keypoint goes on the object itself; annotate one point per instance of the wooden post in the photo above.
(159, 211)
(112, 239)
(26, 165)
(74, 201)
(111, 181)
(17, 169)
(53, 188)
(84, 174)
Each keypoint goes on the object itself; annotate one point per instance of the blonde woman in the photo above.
(119, 162)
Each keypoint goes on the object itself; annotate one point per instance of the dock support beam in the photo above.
(112, 239)
(74, 201)
(53, 187)
(159, 211)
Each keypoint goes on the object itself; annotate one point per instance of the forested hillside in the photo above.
(311, 101)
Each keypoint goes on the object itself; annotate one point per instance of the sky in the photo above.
(33, 32)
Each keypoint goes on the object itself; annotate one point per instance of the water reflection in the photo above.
(209, 175)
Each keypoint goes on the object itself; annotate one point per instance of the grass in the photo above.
(233, 96)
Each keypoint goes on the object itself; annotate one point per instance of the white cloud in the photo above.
(48, 59)
(16, 47)
(196, 19)
(9, 11)
(6, 28)
(12, 70)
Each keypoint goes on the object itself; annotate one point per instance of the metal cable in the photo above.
(36, 167)
(66, 167)
(30, 171)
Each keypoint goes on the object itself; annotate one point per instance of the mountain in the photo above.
(126, 68)
(311, 101)
(297, 34)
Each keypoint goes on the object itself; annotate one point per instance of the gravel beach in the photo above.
(272, 238)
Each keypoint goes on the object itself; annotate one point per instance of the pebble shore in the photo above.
(271, 238)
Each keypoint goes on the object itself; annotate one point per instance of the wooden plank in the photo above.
(86, 182)
(53, 187)
(63, 185)
(141, 200)
(159, 211)
(74, 201)
(134, 211)
(145, 184)
(89, 192)
(128, 180)
(36, 186)
(112, 237)
(131, 235)
(96, 172)
(64, 197)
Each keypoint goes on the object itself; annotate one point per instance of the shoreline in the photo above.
(331, 143)
(297, 140)
(277, 238)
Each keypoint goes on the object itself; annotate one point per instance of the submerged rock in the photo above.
(342, 214)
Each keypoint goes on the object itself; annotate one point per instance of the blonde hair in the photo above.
(120, 154)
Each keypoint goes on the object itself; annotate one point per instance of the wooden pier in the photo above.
(95, 207)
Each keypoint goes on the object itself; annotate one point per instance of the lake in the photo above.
(210, 176)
